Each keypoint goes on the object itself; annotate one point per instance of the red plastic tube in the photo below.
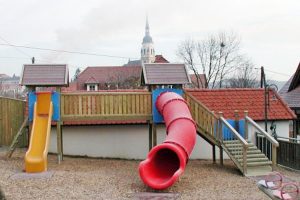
(166, 162)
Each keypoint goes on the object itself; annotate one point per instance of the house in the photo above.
(251, 100)
(9, 86)
(290, 92)
(108, 78)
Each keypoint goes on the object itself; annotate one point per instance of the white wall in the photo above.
(282, 129)
(131, 141)
(117, 141)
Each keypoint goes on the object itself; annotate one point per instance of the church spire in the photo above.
(147, 51)
(147, 29)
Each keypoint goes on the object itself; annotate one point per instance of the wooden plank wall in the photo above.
(12, 114)
(106, 106)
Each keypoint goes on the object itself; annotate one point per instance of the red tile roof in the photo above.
(91, 80)
(252, 100)
(160, 59)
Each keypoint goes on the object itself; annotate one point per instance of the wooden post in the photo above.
(245, 160)
(221, 155)
(220, 128)
(154, 135)
(150, 129)
(214, 153)
(221, 138)
(246, 126)
(236, 121)
(59, 133)
(274, 156)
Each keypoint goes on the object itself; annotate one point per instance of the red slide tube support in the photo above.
(166, 162)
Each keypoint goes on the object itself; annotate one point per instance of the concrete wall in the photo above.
(117, 141)
(130, 141)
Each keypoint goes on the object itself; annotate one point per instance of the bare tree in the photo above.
(186, 51)
(245, 76)
(214, 56)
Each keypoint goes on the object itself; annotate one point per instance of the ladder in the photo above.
(15, 141)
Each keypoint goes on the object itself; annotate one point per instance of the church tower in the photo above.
(147, 51)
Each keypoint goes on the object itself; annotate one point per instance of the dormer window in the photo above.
(92, 87)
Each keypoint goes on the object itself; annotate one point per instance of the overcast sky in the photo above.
(269, 29)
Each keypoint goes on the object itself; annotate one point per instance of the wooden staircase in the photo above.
(244, 154)
(257, 162)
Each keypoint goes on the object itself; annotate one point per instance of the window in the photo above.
(92, 88)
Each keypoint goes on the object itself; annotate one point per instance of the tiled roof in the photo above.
(91, 80)
(203, 81)
(160, 59)
(290, 92)
(45, 75)
(107, 74)
(165, 73)
(252, 100)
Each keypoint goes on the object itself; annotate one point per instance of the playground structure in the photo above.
(36, 156)
(137, 105)
(167, 161)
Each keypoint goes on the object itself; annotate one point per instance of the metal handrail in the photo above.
(245, 143)
(268, 136)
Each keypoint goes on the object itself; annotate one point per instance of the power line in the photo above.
(278, 73)
(66, 51)
(9, 44)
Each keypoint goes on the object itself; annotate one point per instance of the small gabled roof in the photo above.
(45, 75)
(252, 100)
(165, 74)
(91, 80)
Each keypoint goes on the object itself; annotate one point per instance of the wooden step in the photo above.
(254, 151)
(258, 155)
(251, 160)
(253, 164)
(241, 149)
(238, 145)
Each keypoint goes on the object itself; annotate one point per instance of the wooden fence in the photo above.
(289, 154)
(106, 106)
(205, 120)
(12, 113)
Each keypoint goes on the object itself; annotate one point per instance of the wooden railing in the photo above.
(269, 138)
(235, 136)
(205, 120)
(106, 106)
(12, 113)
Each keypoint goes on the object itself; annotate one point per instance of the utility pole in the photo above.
(263, 84)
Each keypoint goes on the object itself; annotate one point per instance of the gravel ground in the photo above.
(86, 178)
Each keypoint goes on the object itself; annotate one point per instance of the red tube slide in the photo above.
(166, 162)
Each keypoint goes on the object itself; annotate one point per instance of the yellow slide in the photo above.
(36, 156)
